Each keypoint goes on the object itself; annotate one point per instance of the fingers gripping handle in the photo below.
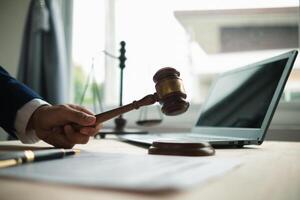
(102, 117)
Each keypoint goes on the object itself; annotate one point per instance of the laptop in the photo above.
(239, 107)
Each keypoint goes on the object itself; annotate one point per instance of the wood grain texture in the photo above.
(269, 171)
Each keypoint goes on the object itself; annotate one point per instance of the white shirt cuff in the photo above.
(22, 119)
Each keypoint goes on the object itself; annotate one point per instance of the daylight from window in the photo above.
(199, 38)
(87, 52)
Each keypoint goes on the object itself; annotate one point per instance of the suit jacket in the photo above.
(13, 95)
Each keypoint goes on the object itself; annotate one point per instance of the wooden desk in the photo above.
(269, 171)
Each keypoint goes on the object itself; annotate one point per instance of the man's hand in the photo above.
(53, 125)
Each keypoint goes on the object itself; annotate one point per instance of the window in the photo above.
(223, 39)
(203, 39)
(199, 38)
(88, 44)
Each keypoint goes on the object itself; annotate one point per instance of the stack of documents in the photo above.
(125, 171)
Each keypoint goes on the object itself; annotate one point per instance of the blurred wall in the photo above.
(12, 18)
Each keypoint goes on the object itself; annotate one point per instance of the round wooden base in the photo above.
(181, 148)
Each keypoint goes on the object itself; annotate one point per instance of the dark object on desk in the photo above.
(13, 158)
(181, 148)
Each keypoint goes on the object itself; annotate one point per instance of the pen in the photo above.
(13, 158)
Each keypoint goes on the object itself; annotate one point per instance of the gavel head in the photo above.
(170, 91)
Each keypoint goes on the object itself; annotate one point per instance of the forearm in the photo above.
(13, 96)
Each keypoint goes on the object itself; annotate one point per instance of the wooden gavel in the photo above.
(169, 93)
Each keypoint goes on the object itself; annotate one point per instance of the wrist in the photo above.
(34, 117)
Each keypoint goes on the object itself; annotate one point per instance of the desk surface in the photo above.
(269, 171)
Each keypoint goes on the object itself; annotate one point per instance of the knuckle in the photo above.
(81, 115)
(62, 106)
(72, 106)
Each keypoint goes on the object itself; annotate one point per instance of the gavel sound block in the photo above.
(169, 93)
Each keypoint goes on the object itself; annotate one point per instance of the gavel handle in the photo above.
(102, 117)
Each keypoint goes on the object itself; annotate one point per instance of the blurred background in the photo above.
(199, 38)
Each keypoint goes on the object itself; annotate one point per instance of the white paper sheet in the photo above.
(125, 171)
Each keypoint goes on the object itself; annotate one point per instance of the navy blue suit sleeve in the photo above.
(13, 95)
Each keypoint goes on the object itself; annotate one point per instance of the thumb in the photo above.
(75, 116)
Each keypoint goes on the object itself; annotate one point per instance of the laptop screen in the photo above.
(241, 98)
